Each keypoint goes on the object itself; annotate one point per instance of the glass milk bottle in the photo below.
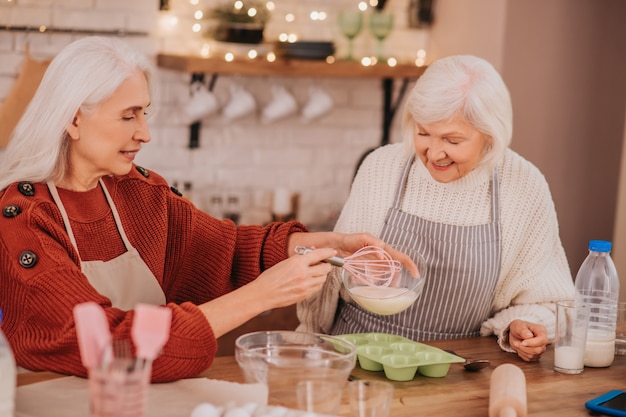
(7, 377)
(598, 285)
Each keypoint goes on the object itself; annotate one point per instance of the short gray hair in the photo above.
(462, 86)
(84, 74)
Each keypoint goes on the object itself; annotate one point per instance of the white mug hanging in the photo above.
(319, 104)
(202, 103)
(240, 104)
(283, 104)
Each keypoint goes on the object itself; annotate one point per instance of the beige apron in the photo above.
(125, 280)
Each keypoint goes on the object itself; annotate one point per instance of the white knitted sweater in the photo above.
(534, 272)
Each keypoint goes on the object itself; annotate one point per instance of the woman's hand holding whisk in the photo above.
(293, 279)
(347, 244)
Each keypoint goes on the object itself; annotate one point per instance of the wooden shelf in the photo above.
(286, 67)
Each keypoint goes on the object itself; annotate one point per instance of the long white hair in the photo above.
(84, 74)
(462, 86)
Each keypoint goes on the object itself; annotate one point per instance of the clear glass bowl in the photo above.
(385, 298)
(283, 359)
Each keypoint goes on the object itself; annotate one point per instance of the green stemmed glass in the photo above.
(381, 25)
(350, 23)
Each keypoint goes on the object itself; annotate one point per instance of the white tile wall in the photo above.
(246, 158)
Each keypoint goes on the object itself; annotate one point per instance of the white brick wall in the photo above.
(245, 158)
(28, 15)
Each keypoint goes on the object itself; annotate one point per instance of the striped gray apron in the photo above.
(463, 265)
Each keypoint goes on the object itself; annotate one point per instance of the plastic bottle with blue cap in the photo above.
(597, 284)
(8, 376)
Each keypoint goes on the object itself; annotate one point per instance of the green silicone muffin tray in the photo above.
(399, 357)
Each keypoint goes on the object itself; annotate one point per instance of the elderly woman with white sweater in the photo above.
(480, 214)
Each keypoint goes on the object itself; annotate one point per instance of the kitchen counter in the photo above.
(461, 393)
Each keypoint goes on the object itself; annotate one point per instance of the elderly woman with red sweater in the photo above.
(81, 222)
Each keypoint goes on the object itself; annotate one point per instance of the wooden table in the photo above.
(466, 394)
(461, 393)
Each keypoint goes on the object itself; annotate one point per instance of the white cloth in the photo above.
(534, 272)
(69, 397)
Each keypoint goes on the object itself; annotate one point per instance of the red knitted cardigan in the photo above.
(194, 256)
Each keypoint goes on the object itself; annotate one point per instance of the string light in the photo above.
(205, 51)
(420, 61)
(169, 21)
(318, 15)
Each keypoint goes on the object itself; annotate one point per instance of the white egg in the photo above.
(206, 410)
(276, 412)
(237, 412)
(250, 407)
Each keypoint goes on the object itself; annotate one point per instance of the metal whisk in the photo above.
(370, 265)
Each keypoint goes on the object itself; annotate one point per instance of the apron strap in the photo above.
(118, 222)
(116, 215)
(402, 183)
(495, 198)
(66, 220)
